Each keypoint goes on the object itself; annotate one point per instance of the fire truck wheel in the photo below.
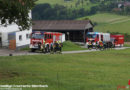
(45, 50)
(33, 50)
(48, 48)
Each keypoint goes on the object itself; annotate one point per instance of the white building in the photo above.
(12, 37)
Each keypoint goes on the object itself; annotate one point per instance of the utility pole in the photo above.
(84, 37)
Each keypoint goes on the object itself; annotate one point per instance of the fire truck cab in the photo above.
(44, 40)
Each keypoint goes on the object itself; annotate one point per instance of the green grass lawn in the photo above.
(103, 70)
(110, 22)
(70, 46)
(127, 44)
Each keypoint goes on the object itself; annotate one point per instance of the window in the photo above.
(45, 36)
(48, 36)
(101, 37)
(97, 36)
(27, 36)
(37, 36)
(20, 37)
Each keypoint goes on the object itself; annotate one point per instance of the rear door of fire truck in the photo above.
(121, 39)
(57, 37)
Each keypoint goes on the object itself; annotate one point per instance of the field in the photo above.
(111, 22)
(103, 70)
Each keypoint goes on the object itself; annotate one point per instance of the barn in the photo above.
(74, 30)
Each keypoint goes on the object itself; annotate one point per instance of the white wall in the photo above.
(63, 37)
(25, 40)
(5, 39)
(9, 28)
(14, 28)
(5, 30)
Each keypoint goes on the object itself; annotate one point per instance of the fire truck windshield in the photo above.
(37, 36)
(91, 35)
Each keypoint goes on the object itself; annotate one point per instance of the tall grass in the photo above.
(103, 70)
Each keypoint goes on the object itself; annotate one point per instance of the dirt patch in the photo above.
(112, 20)
(120, 21)
(9, 74)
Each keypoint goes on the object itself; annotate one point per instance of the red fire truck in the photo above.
(94, 39)
(118, 40)
(45, 41)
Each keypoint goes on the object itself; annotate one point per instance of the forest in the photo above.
(48, 11)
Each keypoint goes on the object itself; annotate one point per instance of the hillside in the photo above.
(76, 4)
(110, 22)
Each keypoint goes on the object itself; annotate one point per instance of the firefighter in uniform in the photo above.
(96, 45)
(60, 46)
(57, 45)
(54, 47)
(43, 46)
(100, 44)
(89, 45)
(93, 44)
(51, 48)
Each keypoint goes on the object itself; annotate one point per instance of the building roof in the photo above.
(127, 4)
(61, 25)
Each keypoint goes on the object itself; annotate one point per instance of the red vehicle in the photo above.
(44, 40)
(118, 40)
(93, 40)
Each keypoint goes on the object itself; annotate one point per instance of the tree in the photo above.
(16, 11)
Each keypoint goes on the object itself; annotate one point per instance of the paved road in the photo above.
(93, 50)
(6, 52)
